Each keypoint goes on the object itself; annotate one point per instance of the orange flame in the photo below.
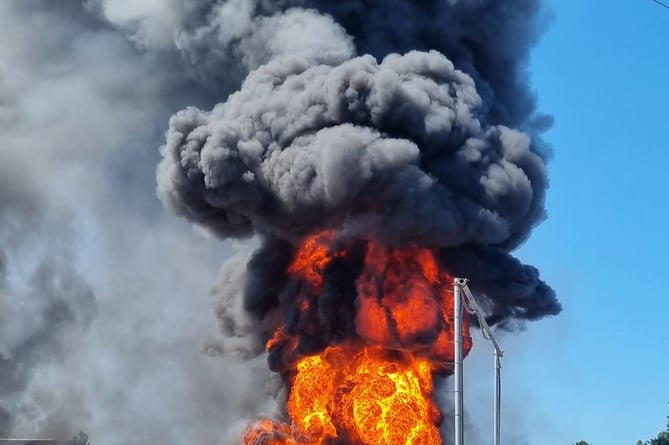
(371, 395)
(375, 388)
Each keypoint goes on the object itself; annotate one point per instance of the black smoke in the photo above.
(409, 122)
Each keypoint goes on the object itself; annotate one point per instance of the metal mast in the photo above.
(470, 304)
(457, 366)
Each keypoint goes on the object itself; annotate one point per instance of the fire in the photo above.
(374, 386)
(377, 396)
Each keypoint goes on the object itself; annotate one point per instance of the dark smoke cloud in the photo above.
(488, 40)
(412, 148)
(299, 149)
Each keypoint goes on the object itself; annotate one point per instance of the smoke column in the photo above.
(399, 123)
(409, 121)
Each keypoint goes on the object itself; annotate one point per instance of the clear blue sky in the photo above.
(600, 371)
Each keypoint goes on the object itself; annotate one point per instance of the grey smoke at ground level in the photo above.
(103, 300)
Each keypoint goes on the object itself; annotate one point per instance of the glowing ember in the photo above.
(374, 387)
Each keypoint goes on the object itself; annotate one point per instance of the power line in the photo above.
(664, 5)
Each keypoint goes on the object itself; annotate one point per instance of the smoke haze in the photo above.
(411, 120)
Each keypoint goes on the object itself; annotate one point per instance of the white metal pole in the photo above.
(498, 390)
(457, 366)
(474, 308)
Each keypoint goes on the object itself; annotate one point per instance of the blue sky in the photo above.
(600, 371)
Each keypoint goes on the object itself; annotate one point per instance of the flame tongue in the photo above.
(371, 384)
(405, 302)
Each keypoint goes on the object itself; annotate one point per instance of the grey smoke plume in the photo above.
(439, 147)
(103, 306)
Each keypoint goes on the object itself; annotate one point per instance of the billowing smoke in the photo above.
(404, 122)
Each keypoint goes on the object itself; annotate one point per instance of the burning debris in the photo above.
(377, 149)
